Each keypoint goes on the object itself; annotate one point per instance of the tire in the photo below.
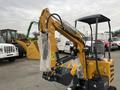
(12, 59)
(119, 47)
(112, 88)
(21, 50)
(106, 48)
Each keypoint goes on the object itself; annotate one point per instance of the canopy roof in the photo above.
(92, 19)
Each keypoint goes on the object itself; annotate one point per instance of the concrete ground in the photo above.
(25, 75)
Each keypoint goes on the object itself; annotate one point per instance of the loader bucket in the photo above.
(31, 48)
(33, 52)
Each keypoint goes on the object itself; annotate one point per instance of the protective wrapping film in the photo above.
(44, 46)
(79, 71)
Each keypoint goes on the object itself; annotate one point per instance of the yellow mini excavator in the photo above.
(83, 68)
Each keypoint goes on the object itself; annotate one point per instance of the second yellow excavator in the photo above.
(25, 45)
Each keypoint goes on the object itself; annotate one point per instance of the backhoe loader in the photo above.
(30, 46)
(82, 69)
(32, 50)
(24, 44)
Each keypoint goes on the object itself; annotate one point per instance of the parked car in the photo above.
(116, 41)
(106, 43)
(113, 45)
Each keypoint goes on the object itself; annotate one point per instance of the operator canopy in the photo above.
(92, 19)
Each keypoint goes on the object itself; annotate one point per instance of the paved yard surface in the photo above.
(25, 75)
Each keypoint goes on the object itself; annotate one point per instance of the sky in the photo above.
(17, 14)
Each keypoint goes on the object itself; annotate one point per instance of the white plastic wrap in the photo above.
(44, 46)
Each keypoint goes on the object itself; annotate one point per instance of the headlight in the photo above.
(16, 49)
(1, 50)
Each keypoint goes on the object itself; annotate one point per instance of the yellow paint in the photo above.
(31, 48)
(33, 52)
(104, 67)
(73, 70)
(23, 44)
(53, 59)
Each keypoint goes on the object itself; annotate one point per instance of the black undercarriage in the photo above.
(75, 83)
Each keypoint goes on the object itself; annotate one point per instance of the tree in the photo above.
(116, 33)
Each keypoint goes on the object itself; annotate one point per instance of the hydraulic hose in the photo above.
(52, 15)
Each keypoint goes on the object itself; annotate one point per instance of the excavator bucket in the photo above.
(33, 51)
(31, 48)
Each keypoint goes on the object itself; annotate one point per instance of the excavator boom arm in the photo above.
(51, 25)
